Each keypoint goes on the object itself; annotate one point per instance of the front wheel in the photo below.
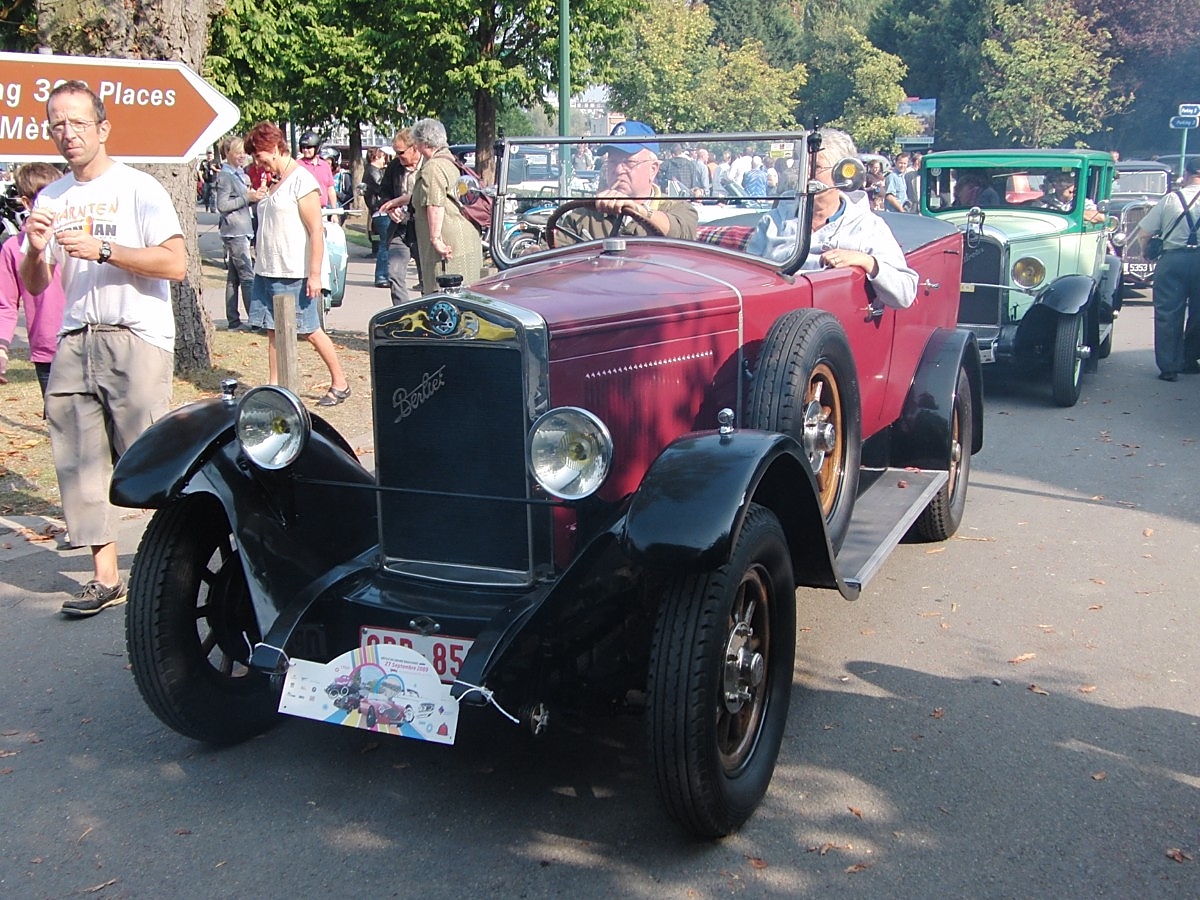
(190, 627)
(720, 681)
(1067, 374)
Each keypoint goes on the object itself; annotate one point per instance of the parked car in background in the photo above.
(1040, 286)
(600, 476)
(1139, 185)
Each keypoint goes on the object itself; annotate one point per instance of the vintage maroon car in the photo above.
(600, 476)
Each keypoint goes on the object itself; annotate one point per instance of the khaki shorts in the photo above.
(107, 386)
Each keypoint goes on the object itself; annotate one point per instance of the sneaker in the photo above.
(93, 598)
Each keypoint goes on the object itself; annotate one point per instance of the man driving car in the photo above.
(631, 196)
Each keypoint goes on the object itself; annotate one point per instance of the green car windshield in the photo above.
(1002, 187)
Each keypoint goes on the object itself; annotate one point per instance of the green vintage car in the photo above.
(1040, 285)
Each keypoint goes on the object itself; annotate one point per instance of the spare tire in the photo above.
(805, 385)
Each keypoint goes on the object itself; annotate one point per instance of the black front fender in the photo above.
(1068, 294)
(689, 508)
(168, 453)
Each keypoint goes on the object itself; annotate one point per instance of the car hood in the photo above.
(1015, 223)
(590, 288)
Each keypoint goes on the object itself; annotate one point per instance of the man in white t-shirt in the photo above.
(114, 235)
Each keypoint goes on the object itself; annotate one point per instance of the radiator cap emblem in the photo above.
(443, 318)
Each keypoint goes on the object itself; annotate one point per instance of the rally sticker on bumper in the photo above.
(384, 687)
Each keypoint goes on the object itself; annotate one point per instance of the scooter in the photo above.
(337, 256)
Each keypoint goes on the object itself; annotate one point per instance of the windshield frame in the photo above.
(515, 197)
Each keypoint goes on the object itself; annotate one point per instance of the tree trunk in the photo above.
(485, 136)
(174, 30)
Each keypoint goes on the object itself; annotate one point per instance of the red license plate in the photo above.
(445, 654)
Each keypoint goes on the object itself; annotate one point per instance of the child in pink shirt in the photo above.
(44, 311)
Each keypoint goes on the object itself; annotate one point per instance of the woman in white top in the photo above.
(291, 248)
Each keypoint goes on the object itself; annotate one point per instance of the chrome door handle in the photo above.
(930, 285)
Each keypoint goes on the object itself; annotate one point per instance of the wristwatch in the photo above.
(105, 252)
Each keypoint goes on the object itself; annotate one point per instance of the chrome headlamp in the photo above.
(1028, 272)
(570, 452)
(273, 426)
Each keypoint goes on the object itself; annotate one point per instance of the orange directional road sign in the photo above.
(160, 111)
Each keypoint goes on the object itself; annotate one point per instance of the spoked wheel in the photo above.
(805, 385)
(720, 681)
(1067, 374)
(941, 518)
(190, 627)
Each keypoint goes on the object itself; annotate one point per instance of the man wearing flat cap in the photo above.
(631, 198)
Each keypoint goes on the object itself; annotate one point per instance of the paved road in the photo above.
(921, 759)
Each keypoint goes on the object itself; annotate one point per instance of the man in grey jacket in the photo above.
(234, 205)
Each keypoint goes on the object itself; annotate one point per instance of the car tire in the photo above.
(1066, 377)
(806, 380)
(720, 681)
(941, 518)
(190, 627)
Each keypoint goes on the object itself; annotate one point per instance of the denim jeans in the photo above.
(381, 224)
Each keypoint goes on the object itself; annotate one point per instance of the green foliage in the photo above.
(670, 74)
(775, 24)
(856, 87)
(1046, 74)
(938, 41)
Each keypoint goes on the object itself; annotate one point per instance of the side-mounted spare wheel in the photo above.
(806, 385)
(190, 627)
(720, 681)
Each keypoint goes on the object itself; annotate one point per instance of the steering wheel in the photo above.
(552, 223)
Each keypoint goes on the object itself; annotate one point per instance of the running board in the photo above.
(882, 516)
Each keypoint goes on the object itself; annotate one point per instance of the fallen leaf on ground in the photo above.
(1099, 776)
(937, 550)
(1095, 606)
(183, 831)
(1038, 690)
(1147, 532)
(827, 846)
(756, 862)
(937, 713)
(1024, 657)
(1178, 855)
(857, 812)
(99, 887)
(1097, 580)
(857, 867)
(1086, 688)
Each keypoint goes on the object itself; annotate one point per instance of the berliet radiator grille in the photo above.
(451, 416)
(982, 263)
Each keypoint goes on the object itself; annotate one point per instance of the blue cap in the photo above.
(632, 129)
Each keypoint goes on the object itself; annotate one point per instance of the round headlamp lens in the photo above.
(1028, 272)
(570, 452)
(273, 426)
